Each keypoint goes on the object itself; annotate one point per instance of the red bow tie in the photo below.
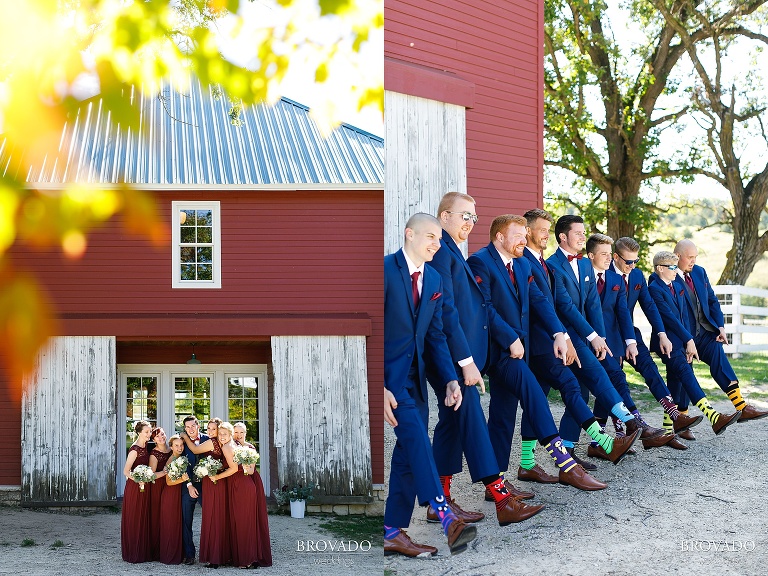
(572, 257)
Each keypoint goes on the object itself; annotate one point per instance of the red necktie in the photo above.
(572, 257)
(689, 281)
(672, 289)
(626, 284)
(600, 283)
(415, 288)
(544, 265)
(511, 274)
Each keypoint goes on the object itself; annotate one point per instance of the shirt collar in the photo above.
(534, 252)
(412, 267)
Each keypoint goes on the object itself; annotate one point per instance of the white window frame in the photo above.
(215, 207)
(165, 374)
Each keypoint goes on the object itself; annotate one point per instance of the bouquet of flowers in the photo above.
(245, 455)
(142, 474)
(208, 466)
(177, 468)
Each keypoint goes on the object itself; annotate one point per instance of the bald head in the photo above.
(422, 237)
(418, 220)
(687, 252)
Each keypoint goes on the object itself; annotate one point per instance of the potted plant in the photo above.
(296, 496)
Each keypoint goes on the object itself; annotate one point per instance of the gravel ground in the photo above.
(701, 511)
(92, 546)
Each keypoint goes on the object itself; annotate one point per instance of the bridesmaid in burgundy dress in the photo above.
(134, 524)
(214, 531)
(171, 547)
(248, 513)
(157, 459)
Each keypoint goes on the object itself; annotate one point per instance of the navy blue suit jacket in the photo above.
(524, 308)
(710, 306)
(193, 458)
(618, 322)
(673, 314)
(577, 303)
(544, 280)
(638, 292)
(410, 332)
(469, 318)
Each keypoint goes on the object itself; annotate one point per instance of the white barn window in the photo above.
(196, 242)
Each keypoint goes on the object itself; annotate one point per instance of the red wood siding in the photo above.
(10, 416)
(283, 252)
(498, 46)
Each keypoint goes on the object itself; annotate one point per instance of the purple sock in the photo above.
(670, 407)
(447, 517)
(390, 532)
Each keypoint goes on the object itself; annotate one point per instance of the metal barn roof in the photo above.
(187, 139)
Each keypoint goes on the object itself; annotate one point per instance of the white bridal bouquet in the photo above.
(142, 474)
(208, 466)
(245, 455)
(177, 468)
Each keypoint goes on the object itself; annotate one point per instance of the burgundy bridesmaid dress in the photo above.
(259, 518)
(171, 546)
(156, 492)
(134, 524)
(214, 532)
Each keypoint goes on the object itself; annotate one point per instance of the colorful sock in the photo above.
(567, 443)
(499, 492)
(599, 436)
(708, 411)
(618, 426)
(734, 395)
(390, 532)
(668, 424)
(447, 517)
(670, 408)
(527, 459)
(446, 483)
(556, 448)
(601, 422)
(621, 412)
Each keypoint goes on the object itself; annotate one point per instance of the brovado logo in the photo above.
(333, 546)
(717, 546)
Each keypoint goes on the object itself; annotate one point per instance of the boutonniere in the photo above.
(530, 279)
(638, 286)
(436, 295)
(478, 279)
(615, 288)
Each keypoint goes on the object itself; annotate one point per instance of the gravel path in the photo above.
(701, 511)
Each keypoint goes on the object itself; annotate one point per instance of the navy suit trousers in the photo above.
(646, 367)
(187, 514)
(711, 353)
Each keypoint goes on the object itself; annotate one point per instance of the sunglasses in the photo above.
(670, 266)
(466, 216)
(629, 262)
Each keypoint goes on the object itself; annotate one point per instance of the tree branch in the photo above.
(672, 172)
(668, 117)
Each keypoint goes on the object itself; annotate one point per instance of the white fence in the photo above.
(746, 325)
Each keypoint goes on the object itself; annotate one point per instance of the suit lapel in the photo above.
(503, 271)
(448, 241)
(406, 277)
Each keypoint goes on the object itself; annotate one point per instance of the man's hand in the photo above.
(193, 493)
(722, 337)
(690, 351)
(516, 349)
(389, 405)
(571, 356)
(600, 347)
(631, 352)
(472, 376)
(665, 344)
(453, 394)
(560, 347)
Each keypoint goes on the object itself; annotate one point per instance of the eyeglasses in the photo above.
(629, 262)
(670, 266)
(466, 216)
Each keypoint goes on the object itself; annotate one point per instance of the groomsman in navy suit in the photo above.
(579, 308)
(504, 271)
(709, 336)
(625, 258)
(669, 298)
(413, 330)
(193, 493)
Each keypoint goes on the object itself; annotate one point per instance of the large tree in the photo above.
(607, 102)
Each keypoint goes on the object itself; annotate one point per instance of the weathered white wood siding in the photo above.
(321, 413)
(426, 151)
(68, 422)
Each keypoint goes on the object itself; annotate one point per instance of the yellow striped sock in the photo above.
(708, 411)
(734, 395)
(668, 424)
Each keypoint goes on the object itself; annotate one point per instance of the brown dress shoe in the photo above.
(684, 422)
(463, 515)
(657, 441)
(622, 446)
(597, 452)
(459, 534)
(676, 444)
(587, 465)
(517, 511)
(402, 544)
(513, 491)
(648, 431)
(725, 420)
(749, 412)
(687, 435)
(535, 474)
(578, 478)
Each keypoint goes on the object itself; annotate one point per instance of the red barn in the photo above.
(464, 108)
(266, 276)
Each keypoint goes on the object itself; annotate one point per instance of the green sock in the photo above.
(527, 459)
(605, 441)
(708, 411)
(668, 424)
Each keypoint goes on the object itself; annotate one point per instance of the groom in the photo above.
(193, 492)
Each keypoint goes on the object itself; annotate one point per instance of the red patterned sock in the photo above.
(446, 483)
(499, 492)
